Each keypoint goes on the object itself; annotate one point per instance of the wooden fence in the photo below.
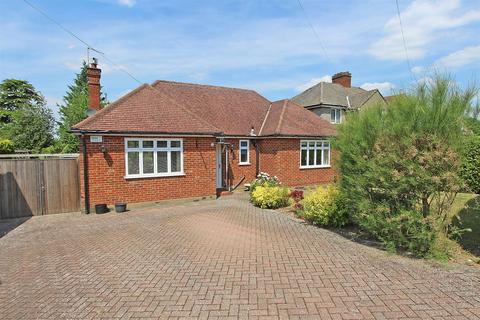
(31, 187)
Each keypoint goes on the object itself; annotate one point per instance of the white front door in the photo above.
(219, 166)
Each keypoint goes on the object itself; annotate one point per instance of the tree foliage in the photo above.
(6, 146)
(403, 159)
(73, 110)
(15, 95)
(32, 128)
(24, 118)
(470, 170)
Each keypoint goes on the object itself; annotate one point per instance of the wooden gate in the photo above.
(32, 187)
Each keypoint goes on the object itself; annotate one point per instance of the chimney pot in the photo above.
(93, 82)
(343, 78)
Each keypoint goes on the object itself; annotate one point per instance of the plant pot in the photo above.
(101, 208)
(120, 207)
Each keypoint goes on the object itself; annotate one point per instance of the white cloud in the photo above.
(127, 3)
(418, 69)
(382, 86)
(313, 82)
(424, 21)
(460, 58)
(425, 80)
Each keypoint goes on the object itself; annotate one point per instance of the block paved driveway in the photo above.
(215, 259)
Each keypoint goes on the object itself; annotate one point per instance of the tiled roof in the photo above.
(185, 108)
(286, 118)
(333, 94)
(234, 111)
(146, 110)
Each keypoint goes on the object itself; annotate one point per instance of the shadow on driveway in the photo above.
(9, 224)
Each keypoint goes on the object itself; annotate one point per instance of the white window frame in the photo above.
(155, 149)
(240, 148)
(322, 145)
(336, 119)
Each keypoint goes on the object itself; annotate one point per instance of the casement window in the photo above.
(153, 158)
(244, 152)
(314, 154)
(335, 115)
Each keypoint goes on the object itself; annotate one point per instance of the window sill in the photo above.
(142, 176)
(244, 164)
(315, 167)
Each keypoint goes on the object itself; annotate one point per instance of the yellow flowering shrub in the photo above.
(323, 207)
(270, 197)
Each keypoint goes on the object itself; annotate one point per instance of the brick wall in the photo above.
(237, 171)
(280, 157)
(108, 185)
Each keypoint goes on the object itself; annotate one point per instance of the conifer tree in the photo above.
(73, 110)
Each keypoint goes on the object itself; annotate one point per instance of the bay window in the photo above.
(153, 158)
(314, 154)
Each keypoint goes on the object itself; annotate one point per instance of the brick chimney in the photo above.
(343, 78)
(93, 81)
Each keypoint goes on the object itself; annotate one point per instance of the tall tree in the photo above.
(400, 165)
(73, 110)
(32, 128)
(24, 117)
(14, 95)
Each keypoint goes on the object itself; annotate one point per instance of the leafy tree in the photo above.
(32, 128)
(73, 110)
(470, 170)
(6, 146)
(17, 94)
(400, 163)
(25, 119)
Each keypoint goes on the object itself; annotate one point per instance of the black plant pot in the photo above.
(120, 207)
(101, 208)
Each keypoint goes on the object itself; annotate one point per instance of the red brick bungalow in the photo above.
(173, 140)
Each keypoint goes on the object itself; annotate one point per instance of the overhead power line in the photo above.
(404, 41)
(89, 46)
(313, 29)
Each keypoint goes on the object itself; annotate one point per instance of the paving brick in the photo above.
(220, 259)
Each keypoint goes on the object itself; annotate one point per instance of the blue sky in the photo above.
(265, 45)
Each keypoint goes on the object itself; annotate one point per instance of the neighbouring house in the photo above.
(169, 140)
(331, 100)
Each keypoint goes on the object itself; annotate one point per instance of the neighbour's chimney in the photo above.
(93, 81)
(343, 78)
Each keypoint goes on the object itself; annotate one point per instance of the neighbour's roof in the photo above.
(185, 108)
(391, 98)
(334, 94)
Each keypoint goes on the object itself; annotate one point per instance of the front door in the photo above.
(219, 166)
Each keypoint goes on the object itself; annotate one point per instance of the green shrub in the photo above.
(400, 164)
(270, 197)
(470, 168)
(324, 207)
(264, 179)
(408, 230)
(6, 146)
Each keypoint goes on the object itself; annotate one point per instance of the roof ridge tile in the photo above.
(280, 120)
(200, 85)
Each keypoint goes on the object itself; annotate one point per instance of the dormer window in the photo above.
(336, 116)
